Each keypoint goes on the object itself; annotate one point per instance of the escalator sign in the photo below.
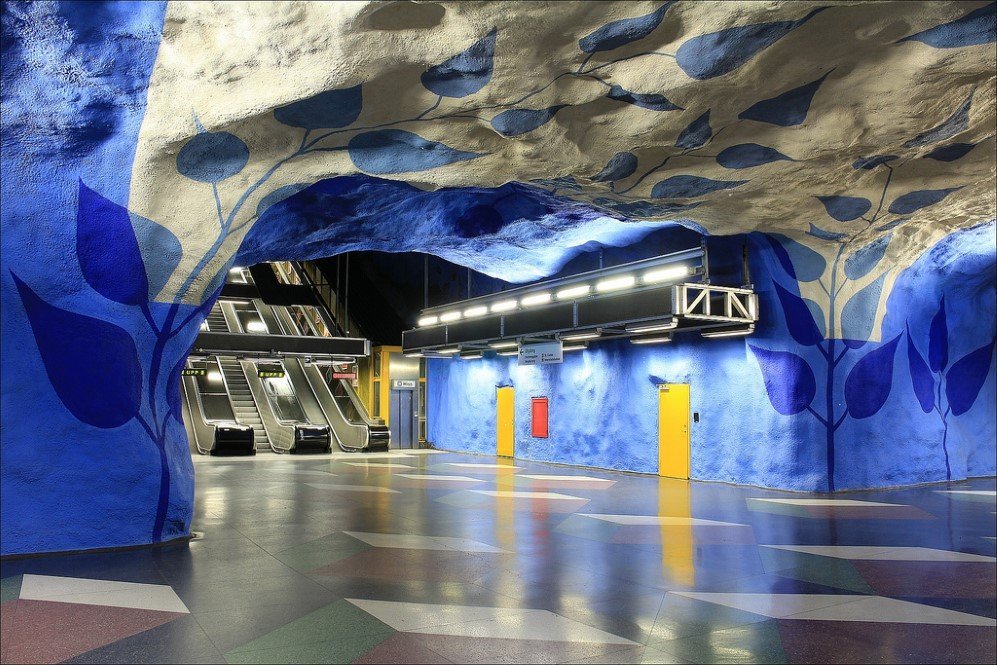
(344, 375)
(263, 374)
(193, 371)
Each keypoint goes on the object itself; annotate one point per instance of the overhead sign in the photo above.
(403, 384)
(270, 371)
(541, 353)
(344, 375)
(192, 371)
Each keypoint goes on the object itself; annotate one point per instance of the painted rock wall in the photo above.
(147, 146)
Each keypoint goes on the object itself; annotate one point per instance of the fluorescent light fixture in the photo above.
(472, 355)
(657, 339)
(536, 299)
(574, 291)
(215, 376)
(504, 345)
(449, 316)
(667, 274)
(235, 269)
(577, 337)
(429, 320)
(514, 352)
(449, 351)
(652, 327)
(573, 347)
(729, 332)
(410, 354)
(477, 310)
(256, 327)
(503, 306)
(616, 283)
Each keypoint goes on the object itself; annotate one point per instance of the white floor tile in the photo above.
(418, 542)
(386, 465)
(469, 465)
(883, 553)
(589, 479)
(656, 520)
(408, 617)
(108, 593)
(352, 488)
(439, 476)
(827, 502)
(528, 495)
(992, 493)
(775, 605)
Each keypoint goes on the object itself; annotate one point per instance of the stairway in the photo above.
(216, 320)
(242, 399)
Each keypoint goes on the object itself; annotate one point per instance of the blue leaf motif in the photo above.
(620, 165)
(651, 101)
(817, 314)
(920, 377)
(92, 364)
(892, 224)
(845, 208)
(938, 339)
(789, 381)
(746, 155)
(173, 389)
(799, 318)
(922, 198)
(868, 384)
(108, 250)
(279, 194)
(976, 27)
(395, 151)
(688, 186)
(818, 232)
(645, 208)
(160, 247)
(951, 152)
(861, 263)
(788, 109)
(520, 121)
(957, 122)
(965, 379)
(859, 313)
(717, 53)
(807, 264)
(616, 34)
(696, 134)
(212, 157)
(869, 163)
(326, 110)
(465, 73)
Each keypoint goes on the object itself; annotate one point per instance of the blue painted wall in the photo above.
(603, 407)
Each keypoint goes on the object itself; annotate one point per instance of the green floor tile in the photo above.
(321, 552)
(777, 508)
(333, 651)
(10, 588)
(835, 573)
(753, 643)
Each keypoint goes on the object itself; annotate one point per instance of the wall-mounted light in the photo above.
(668, 274)
(471, 355)
(447, 317)
(577, 337)
(657, 339)
(536, 299)
(574, 347)
(652, 327)
(503, 306)
(429, 321)
(256, 327)
(574, 292)
(234, 270)
(615, 283)
(477, 310)
(504, 345)
(737, 331)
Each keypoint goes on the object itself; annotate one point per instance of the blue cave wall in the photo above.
(603, 401)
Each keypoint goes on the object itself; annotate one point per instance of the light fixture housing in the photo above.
(735, 331)
(576, 291)
(574, 347)
(504, 345)
(413, 354)
(477, 310)
(448, 351)
(504, 306)
(535, 299)
(615, 283)
(428, 321)
(655, 339)
(256, 327)
(512, 352)
(447, 317)
(580, 336)
(650, 326)
(666, 274)
(471, 355)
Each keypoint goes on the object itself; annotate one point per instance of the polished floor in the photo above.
(431, 557)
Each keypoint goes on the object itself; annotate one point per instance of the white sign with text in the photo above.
(541, 353)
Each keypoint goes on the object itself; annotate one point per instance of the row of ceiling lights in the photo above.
(614, 283)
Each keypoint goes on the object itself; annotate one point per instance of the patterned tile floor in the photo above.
(431, 557)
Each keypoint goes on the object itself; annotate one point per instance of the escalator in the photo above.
(242, 400)
(212, 423)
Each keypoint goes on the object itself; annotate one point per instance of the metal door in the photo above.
(673, 430)
(505, 402)
(402, 418)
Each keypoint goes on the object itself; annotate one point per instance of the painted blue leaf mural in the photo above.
(955, 123)
(108, 249)
(520, 121)
(807, 264)
(326, 110)
(938, 339)
(920, 376)
(173, 390)
(619, 166)
(892, 224)
(922, 198)
(788, 109)
(951, 152)
(212, 157)
(92, 364)
(395, 151)
(789, 381)
(869, 382)
(616, 34)
(863, 260)
(818, 232)
(845, 208)
(160, 247)
(746, 155)
(717, 53)
(650, 101)
(859, 313)
(818, 316)
(799, 318)
(976, 27)
(869, 163)
(696, 134)
(465, 73)
(279, 194)
(646, 208)
(782, 255)
(687, 186)
(965, 379)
